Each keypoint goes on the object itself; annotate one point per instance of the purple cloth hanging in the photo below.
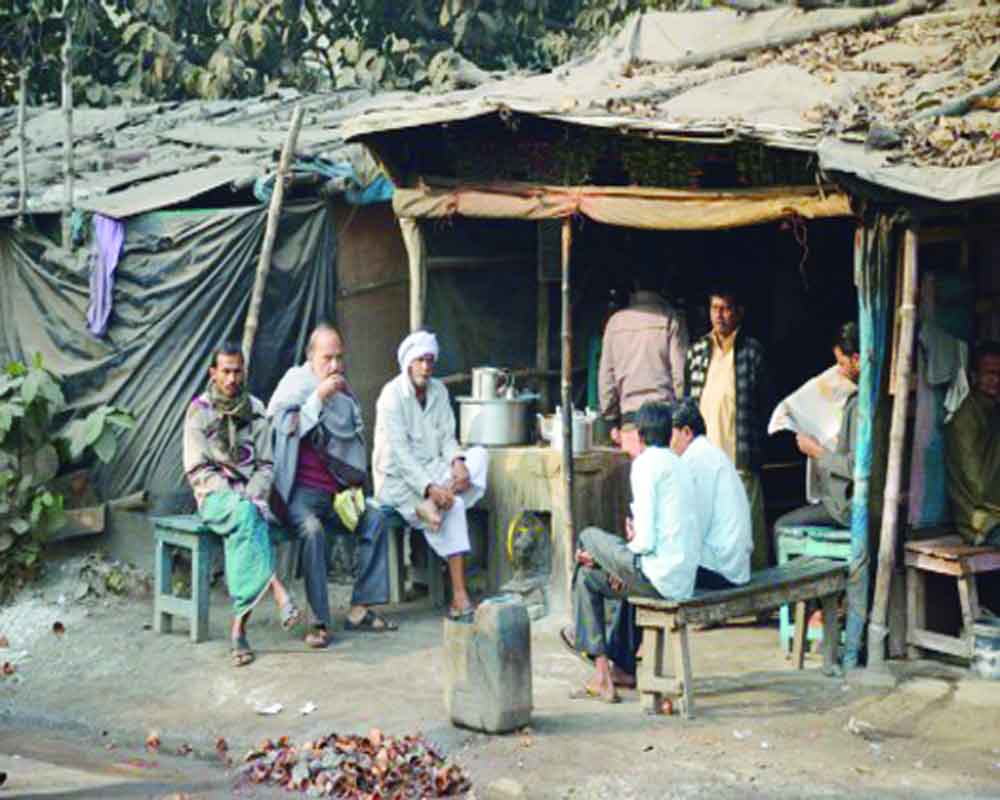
(109, 236)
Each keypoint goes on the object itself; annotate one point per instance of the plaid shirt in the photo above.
(753, 390)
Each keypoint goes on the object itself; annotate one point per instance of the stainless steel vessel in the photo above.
(497, 421)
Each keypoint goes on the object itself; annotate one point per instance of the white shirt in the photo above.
(724, 511)
(668, 531)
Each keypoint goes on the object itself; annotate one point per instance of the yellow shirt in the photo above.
(718, 398)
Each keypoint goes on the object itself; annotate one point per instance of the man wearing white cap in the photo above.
(418, 466)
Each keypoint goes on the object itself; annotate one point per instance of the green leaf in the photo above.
(31, 385)
(6, 540)
(105, 446)
(19, 526)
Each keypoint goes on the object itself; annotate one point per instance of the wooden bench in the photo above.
(664, 622)
(948, 555)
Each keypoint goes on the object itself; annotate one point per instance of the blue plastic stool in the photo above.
(809, 540)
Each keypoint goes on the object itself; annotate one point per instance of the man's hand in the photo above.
(616, 584)
(585, 559)
(460, 476)
(808, 446)
(629, 529)
(616, 435)
(330, 385)
(443, 498)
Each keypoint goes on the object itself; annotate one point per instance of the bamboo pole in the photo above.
(567, 400)
(22, 144)
(270, 234)
(542, 318)
(67, 110)
(416, 255)
(877, 630)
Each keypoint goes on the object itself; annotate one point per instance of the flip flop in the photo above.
(587, 693)
(367, 624)
(290, 615)
(570, 645)
(240, 652)
(318, 638)
(466, 614)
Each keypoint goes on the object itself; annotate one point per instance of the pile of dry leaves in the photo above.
(356, 768)
(922, 66)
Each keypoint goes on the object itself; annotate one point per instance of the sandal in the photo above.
(290, 615)
(570, 644)
(589, 693)
(466, 614)
(371, 623)
(240, 652)
(318, 638)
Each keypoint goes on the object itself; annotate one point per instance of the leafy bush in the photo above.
(32, 455)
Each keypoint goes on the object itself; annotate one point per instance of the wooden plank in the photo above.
(178, 606)
(788, 575)
(188, 523)
(952, 547)
(941, 643)
(799, 636)
(916, 606)
(932, 564)
(968, 597)
(80, 522)
(831, 634)
(746, 605)
(682, 669)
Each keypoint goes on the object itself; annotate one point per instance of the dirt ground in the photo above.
(76, 711)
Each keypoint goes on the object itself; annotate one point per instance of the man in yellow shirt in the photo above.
(725, 373)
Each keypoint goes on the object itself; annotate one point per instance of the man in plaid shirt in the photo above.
(725, 373)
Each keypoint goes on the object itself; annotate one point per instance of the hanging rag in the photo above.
(109, 237)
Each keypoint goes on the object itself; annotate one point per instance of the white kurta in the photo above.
(414, 447)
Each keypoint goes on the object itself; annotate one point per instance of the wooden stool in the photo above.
(184, 532)
(431, 574)
(821, 541)
(948, 555)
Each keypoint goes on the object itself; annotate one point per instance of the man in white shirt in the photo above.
(722, 502)
(420, 470)
(658, 557)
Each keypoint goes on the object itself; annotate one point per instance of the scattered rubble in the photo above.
(346, 766)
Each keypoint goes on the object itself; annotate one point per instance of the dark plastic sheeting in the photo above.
(182, 286)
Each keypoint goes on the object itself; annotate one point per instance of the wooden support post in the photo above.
(542, 321)
(877, 632)
(270, 234)
(567, 400)
(22, 155)
(67, 110)
(416, 254)
(799, 637)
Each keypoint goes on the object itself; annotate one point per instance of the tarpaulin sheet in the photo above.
(654, 209)
(182, 286)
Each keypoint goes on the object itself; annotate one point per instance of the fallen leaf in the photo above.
(185, 750)
(8, 668)
(4, 643)
(58, 628)
(153, 741)
(527, 741)
(221, 746)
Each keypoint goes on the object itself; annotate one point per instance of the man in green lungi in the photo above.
(227, 460)
(972, 453)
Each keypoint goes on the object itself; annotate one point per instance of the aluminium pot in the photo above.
(498, 421)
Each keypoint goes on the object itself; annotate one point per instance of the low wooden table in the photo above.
(529, 478)
(948, 555)
(664, 622)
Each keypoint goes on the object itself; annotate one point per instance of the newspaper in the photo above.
(815, 409)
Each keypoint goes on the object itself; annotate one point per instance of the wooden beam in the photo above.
(270, 235)
(416, 255)
(897, 445)
(567, 395)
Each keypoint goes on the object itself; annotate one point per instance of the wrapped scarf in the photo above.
(235, 413)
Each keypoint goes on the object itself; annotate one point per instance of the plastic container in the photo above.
(488, 667)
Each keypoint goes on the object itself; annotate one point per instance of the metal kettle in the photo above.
(489, 383)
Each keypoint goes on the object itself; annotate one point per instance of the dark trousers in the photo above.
(313, 519)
